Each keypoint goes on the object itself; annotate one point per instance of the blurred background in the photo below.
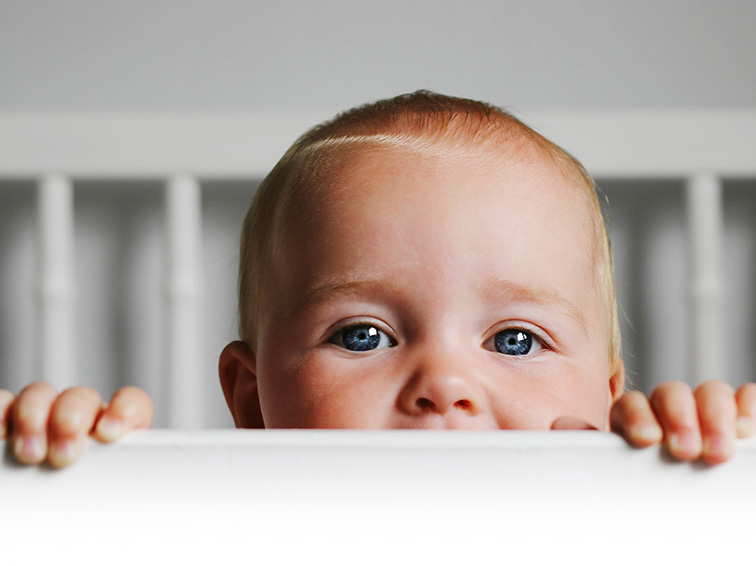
(297, 56)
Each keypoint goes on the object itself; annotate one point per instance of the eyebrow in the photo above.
(502, 291)
(339, 287)
(491, 290)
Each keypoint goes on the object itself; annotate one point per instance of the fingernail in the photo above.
(683, 443)
(64, 453)
(646, 433)
(746, 426)
(109, 429)
(716, 448)
(30, 448)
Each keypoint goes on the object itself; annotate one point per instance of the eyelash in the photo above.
(536, 338)
(338, 337)
(385, 339)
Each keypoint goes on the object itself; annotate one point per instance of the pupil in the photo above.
(513, 342)
(361, 338)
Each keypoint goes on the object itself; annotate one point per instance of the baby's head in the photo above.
(424, 262)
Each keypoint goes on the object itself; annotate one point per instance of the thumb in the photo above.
(571, 423)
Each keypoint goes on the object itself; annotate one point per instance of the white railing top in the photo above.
(645, 143)
(383, 497)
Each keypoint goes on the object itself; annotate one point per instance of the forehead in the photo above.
(373, 179)
(418, 205)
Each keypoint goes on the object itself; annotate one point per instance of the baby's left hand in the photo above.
(691, 424)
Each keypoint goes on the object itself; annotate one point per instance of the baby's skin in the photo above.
(46, 426)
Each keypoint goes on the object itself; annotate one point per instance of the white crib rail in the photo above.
(706, 227)
(56, 298)
(183, 286)
(703, 148)
(379, 497)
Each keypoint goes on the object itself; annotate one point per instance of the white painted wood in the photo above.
(709, 345)
(634, 143)
(184, 302)
(147, 145)
(56, 316)
(380, 497)
(654, 143)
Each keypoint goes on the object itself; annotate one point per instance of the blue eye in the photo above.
(362, 338)
(516, 342)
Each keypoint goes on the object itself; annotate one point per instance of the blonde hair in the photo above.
(420, 120)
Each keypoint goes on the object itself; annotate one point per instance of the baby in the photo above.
(419, 262)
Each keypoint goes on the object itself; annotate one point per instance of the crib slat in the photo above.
(56, 311)
(183, 284)
(706, 229)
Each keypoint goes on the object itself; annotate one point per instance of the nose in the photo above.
(444, 387)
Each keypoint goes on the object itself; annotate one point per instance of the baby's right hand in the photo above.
(46, 426)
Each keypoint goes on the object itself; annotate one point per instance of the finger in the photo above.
(571, 423)
(746, 401)
(6, 400)
(717, 412)
(633, 418)
(29, 416)
(675, 409)
(130, 408)
(71, 419)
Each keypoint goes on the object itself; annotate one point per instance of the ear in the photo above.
(238, 377)
(617, 380)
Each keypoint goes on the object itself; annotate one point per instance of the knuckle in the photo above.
(745, 399)
(633, 415)
(132, 392)
(81, 393)
(632, 397)
(74, 412)
(38, 388)
(747, 390)
(640, 415)
(30, 416)
(6, 397)
(631, 401)
(671, 389)
(131, 402)
(69, 422)
(714, 388)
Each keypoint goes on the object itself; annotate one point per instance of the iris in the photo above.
(513, 342)
(361, 338)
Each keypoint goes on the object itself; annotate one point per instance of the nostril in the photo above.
(425, 404)
(463, 404)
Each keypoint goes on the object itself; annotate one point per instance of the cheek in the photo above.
(323, 391)
(536, 400)
(589, 394)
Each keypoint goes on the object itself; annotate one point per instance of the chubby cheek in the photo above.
(323, 391)
(535, 402)
(589, 402)
(588, 397)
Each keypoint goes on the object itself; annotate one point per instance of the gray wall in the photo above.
(332, 54)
